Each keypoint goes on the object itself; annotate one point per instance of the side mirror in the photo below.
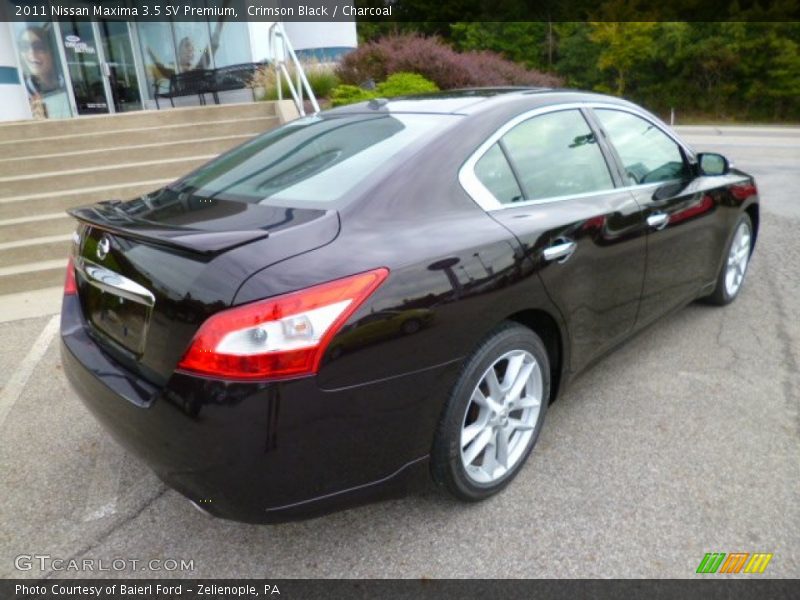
(713, 164)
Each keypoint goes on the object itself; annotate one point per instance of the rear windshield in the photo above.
(311, 161)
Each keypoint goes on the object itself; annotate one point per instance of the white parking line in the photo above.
(103, 489)
(15, 385)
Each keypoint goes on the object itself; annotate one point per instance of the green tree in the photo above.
(741, 69)
(624, 46)
(577, 56)
(770, 69)
(528, 43)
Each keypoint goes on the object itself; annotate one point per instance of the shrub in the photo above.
(436, 61)
(489, 68)
(399, 84)
(350, 94)
(321, 78)
(402, 84)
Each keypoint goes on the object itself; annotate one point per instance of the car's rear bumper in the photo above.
(263, 452)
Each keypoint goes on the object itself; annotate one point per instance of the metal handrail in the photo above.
(277, 35)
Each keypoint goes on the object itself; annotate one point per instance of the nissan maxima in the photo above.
(387, 292)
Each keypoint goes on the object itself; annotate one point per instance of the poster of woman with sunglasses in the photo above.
(44, 80)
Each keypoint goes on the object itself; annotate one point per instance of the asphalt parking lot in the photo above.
(684, 441)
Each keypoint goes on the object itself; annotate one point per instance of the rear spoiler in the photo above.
(105, 216)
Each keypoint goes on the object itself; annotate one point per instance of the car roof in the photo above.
(470, 101)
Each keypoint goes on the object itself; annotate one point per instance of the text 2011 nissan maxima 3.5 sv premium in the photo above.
(389, 291)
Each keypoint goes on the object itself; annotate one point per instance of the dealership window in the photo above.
(233, 43)
(170, 48)
(193, 45)
(42, 71)
(556, 154)
(158, 49)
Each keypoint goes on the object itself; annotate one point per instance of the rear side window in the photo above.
(648, 154)
(556, 154)
(312, 161)
(495, 173)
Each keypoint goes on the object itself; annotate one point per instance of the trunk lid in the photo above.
(150, 271)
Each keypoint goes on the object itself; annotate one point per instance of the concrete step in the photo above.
(27, 280)
(32, 205)
(20, 252)
(62, 161)
(26, 130)
(49, 167)
(134, 137)
(35, 260)
(19, 229)
(113, 174)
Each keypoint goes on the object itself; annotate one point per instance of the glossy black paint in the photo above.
(362, 428)
(260, 452)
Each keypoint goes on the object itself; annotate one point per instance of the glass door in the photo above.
(84, 65)
(119, 67)
(99, 58)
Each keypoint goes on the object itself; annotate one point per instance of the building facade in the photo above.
(72, 68)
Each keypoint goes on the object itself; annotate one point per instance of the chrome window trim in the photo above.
(485, 199)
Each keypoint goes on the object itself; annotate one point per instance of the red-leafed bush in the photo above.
(435, 60)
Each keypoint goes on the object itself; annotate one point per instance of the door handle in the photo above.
(560, 251)
(658, 220)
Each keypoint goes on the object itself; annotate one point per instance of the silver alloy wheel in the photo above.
(738, 257)
(501, 417)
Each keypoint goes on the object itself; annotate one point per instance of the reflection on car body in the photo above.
(382, 325)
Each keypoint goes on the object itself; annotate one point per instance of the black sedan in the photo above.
(389, 291)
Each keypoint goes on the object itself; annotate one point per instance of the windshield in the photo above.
(312, 161)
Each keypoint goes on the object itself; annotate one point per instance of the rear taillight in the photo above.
(284, 336)
(70, 287)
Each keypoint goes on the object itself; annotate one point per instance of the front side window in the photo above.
(647, 153)
(556, 154)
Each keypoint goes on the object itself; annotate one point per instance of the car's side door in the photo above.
(683, 241)
(546, 178)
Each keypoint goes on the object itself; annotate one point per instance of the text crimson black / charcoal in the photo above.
(366, 11)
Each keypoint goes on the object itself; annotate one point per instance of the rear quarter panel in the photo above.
(446, 255)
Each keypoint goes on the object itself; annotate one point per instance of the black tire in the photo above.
(447, 468)
(720, 295)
